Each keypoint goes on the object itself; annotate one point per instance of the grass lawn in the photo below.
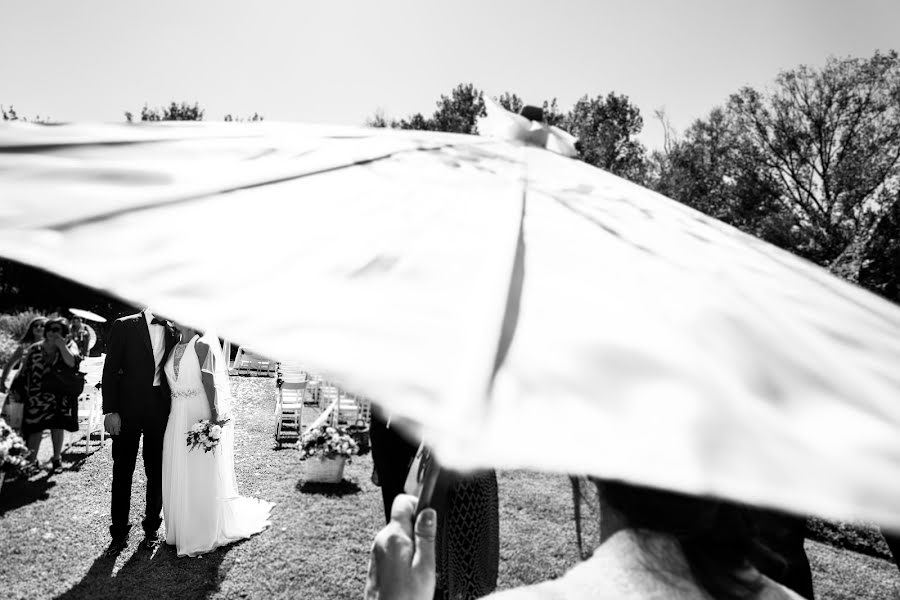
(53, 531)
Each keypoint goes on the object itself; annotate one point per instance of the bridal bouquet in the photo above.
(13, 452)
(205, 434)
(326, 442)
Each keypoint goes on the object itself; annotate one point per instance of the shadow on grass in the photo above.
(74, 460)
(20, 492)
(344, 488)
(146, 574)
(276, 447)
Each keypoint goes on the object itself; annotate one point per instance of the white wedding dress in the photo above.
(201, 506)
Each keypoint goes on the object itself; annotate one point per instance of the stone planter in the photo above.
(325, 470)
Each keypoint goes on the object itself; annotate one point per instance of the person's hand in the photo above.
(112, 423)
(401, 566)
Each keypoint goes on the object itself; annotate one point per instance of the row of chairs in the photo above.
(90, 403)
(298, 389)
(250, 364)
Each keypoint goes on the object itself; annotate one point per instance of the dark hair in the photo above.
(719, 539)
(28, 337)
(61, 322)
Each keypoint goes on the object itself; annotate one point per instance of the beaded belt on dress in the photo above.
(187, 392)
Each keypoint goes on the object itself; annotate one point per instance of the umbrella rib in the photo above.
(98, 218)
(513, 298)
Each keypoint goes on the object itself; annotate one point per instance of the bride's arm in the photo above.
(206, 378)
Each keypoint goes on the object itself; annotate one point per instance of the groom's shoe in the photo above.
(116, 546)
(151, 541)
(118, 543)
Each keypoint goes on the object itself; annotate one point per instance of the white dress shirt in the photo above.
(158, 342)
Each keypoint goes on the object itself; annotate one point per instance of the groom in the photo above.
(136, 400)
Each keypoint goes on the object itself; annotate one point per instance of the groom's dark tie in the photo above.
(158, 321)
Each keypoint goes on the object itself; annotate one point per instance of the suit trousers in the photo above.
(391, 455)
(151, 424)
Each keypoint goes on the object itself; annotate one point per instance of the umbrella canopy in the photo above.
(87, 315)
(527, 310)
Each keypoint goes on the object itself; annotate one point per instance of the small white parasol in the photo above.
(87, 315)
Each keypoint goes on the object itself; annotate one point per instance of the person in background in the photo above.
(654, 544)
(79, 334)
(44, 409)
(468, 539)
(33, 333)
(13, 407)
(392, 454)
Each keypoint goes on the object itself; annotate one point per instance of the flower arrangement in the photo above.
(13, 453)
(205, 434)
(327, 442)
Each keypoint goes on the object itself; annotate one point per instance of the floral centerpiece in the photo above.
(327, 442)
(13, 453)
(330, 448)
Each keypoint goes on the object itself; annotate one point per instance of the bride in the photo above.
(201, 505)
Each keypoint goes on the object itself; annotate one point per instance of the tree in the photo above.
(379, 119)
(606, 128)
(714, 168)
(251, 119)
(879, 270)
(510, 102)
(830, 138)
(173, 112)
(416, 121)
(457, 113)
(552, 114)
(12, 115)
(9, 115)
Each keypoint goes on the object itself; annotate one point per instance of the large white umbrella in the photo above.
(526, 309)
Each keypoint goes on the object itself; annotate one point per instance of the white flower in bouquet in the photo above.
(205, 434)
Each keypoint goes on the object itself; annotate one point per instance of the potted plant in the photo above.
(325, 450)
(13, 453)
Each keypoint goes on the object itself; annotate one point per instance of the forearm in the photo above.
(111, 366)
(209, 387)
(67, 355)
(16, 357)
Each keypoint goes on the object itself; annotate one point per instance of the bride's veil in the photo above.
(216, 365)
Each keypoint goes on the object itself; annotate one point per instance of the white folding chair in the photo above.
(289, 411)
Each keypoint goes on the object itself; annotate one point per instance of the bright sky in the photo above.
(337, 61)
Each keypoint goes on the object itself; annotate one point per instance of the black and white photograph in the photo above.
(445, 301)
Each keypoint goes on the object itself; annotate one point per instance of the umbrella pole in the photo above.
(429, 480)
(576, 499)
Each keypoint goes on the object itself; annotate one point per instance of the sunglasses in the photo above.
(54, 330)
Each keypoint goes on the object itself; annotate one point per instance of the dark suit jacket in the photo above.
(129, 368)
